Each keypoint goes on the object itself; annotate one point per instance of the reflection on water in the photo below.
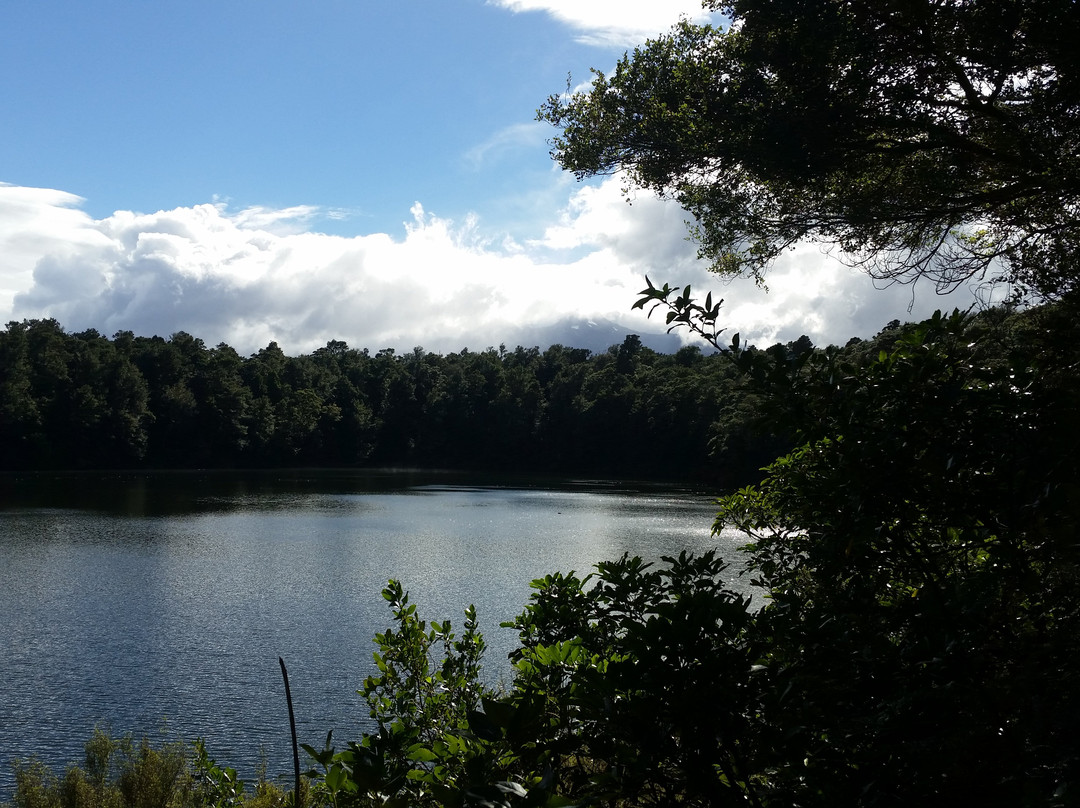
(136, 600)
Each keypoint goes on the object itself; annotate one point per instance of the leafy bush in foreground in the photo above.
(919, 642)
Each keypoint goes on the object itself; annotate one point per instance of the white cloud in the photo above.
(219, 276)
(613, 22)
(247, 277)
(809, 291)
(285, 220)
(37, 222)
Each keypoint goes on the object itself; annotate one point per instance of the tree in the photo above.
(934, 138)
(20, 415)
(421, 752)
(643, 678)
(919, 552)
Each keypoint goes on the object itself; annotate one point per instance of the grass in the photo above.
(124, 773)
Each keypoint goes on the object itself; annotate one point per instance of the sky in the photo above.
(251, 171)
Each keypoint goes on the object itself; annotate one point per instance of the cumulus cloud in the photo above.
(36, 222)
(610, 22)
(808, 290)
(251, 276)
(236, 277)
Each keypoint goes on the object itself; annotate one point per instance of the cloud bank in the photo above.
(258, 275)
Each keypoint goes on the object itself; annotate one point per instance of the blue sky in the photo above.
(357, 108)
(256, 170)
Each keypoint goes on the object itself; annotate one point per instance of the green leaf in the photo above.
(420, 753)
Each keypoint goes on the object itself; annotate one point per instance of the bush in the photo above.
(123, 773)
(919, 642)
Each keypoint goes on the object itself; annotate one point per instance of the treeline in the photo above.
(82, 400)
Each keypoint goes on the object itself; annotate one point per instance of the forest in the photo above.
(81, 400)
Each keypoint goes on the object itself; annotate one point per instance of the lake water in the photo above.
(160, 603)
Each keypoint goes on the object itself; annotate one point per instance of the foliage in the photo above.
(919, 551)
(644, 682)
(123, 773)
(219, 785)
(684, 310)
(83, 401)
(422, 751)
(916, 640)
(921, 139)
(634, 682)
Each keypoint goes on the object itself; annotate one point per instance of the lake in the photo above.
(159, 604)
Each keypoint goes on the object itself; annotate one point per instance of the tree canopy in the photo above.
(82, 400)
(925, 138)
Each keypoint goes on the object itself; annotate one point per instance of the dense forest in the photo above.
(82, 400)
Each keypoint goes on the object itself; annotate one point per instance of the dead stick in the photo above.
(292, 726)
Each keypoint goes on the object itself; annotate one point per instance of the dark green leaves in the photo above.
(932, 140)
(683, 310)
(915, 637)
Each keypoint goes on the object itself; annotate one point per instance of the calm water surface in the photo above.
(160, 603)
